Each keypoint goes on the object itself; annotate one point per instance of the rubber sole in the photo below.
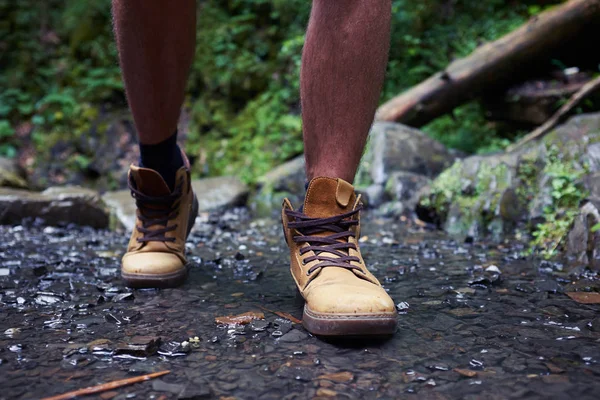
(172, 279)
(162, 281)
(349, 324)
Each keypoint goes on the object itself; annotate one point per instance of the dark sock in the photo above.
(164, 157)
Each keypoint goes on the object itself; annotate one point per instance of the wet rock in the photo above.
(293, 336)
(282, 326)
(139, 346)
(220, 193)
(54, 206)
(214, 194)
(395, 147)
(484, 277)
(47, 298)
(299, 373)
(259, 325)
(490, 195)
(11, 175)
(161, 386)
(549, 286)
(500, 333)
(403, 191)
(583, 239)
(286, 180)
(123, 297)
(195, 392)
(175, 349)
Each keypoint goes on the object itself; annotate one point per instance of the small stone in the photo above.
(594, 324)
(123, 297)
(139, 346)
(438, 367)
(161, 386)
(10, 332)
(109, 395)
(282, 326)
(324, 392)
(259, 325)
(174, 349)
(553, 379)
(293, 336)
(338, 377)
(195, 392)
(554, 368)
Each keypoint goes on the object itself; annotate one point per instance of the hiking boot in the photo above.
(342, 296)
(156, 252)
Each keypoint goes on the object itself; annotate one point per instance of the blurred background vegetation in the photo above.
(60, 77)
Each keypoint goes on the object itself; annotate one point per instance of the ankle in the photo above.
(163, 157)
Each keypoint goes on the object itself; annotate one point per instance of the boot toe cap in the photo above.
(343, 299)
(151, 263)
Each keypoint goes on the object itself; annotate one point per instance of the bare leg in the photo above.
(343, 66)
(156, 40)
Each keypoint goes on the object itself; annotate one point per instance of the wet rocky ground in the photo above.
(476, 320)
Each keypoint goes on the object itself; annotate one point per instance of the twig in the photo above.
(540, 131)
(283, 315)
(107, 386)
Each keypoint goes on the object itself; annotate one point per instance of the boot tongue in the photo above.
(327, 197)
(149, 182)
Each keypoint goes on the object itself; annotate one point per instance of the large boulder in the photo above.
(402, 193)
(583, 239)
(395, 147)
(11, 175)
(214, 194)
(538, 188)
(392, 148)
(54, 206)
(286, 180)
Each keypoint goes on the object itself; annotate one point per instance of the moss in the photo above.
(467, 208)
(447, 185)
(564, 176)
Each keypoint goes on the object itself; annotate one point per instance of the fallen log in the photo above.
(589, 88)
(532, 102)
(491, 64)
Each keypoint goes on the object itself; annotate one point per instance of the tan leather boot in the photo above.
(156, 253)
(342, 296)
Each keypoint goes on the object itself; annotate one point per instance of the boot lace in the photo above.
(156, 210)
(336, 243)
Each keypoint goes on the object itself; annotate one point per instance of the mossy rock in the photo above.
(484, 195)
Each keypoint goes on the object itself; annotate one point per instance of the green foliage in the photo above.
(245, 119)
(59, 68)
(429, 34)
(60, 63)
(467, 129)
(567, 193)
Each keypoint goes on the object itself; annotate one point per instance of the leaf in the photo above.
(596, 227)
(242, 319)
(465, 372)
(585, 297)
